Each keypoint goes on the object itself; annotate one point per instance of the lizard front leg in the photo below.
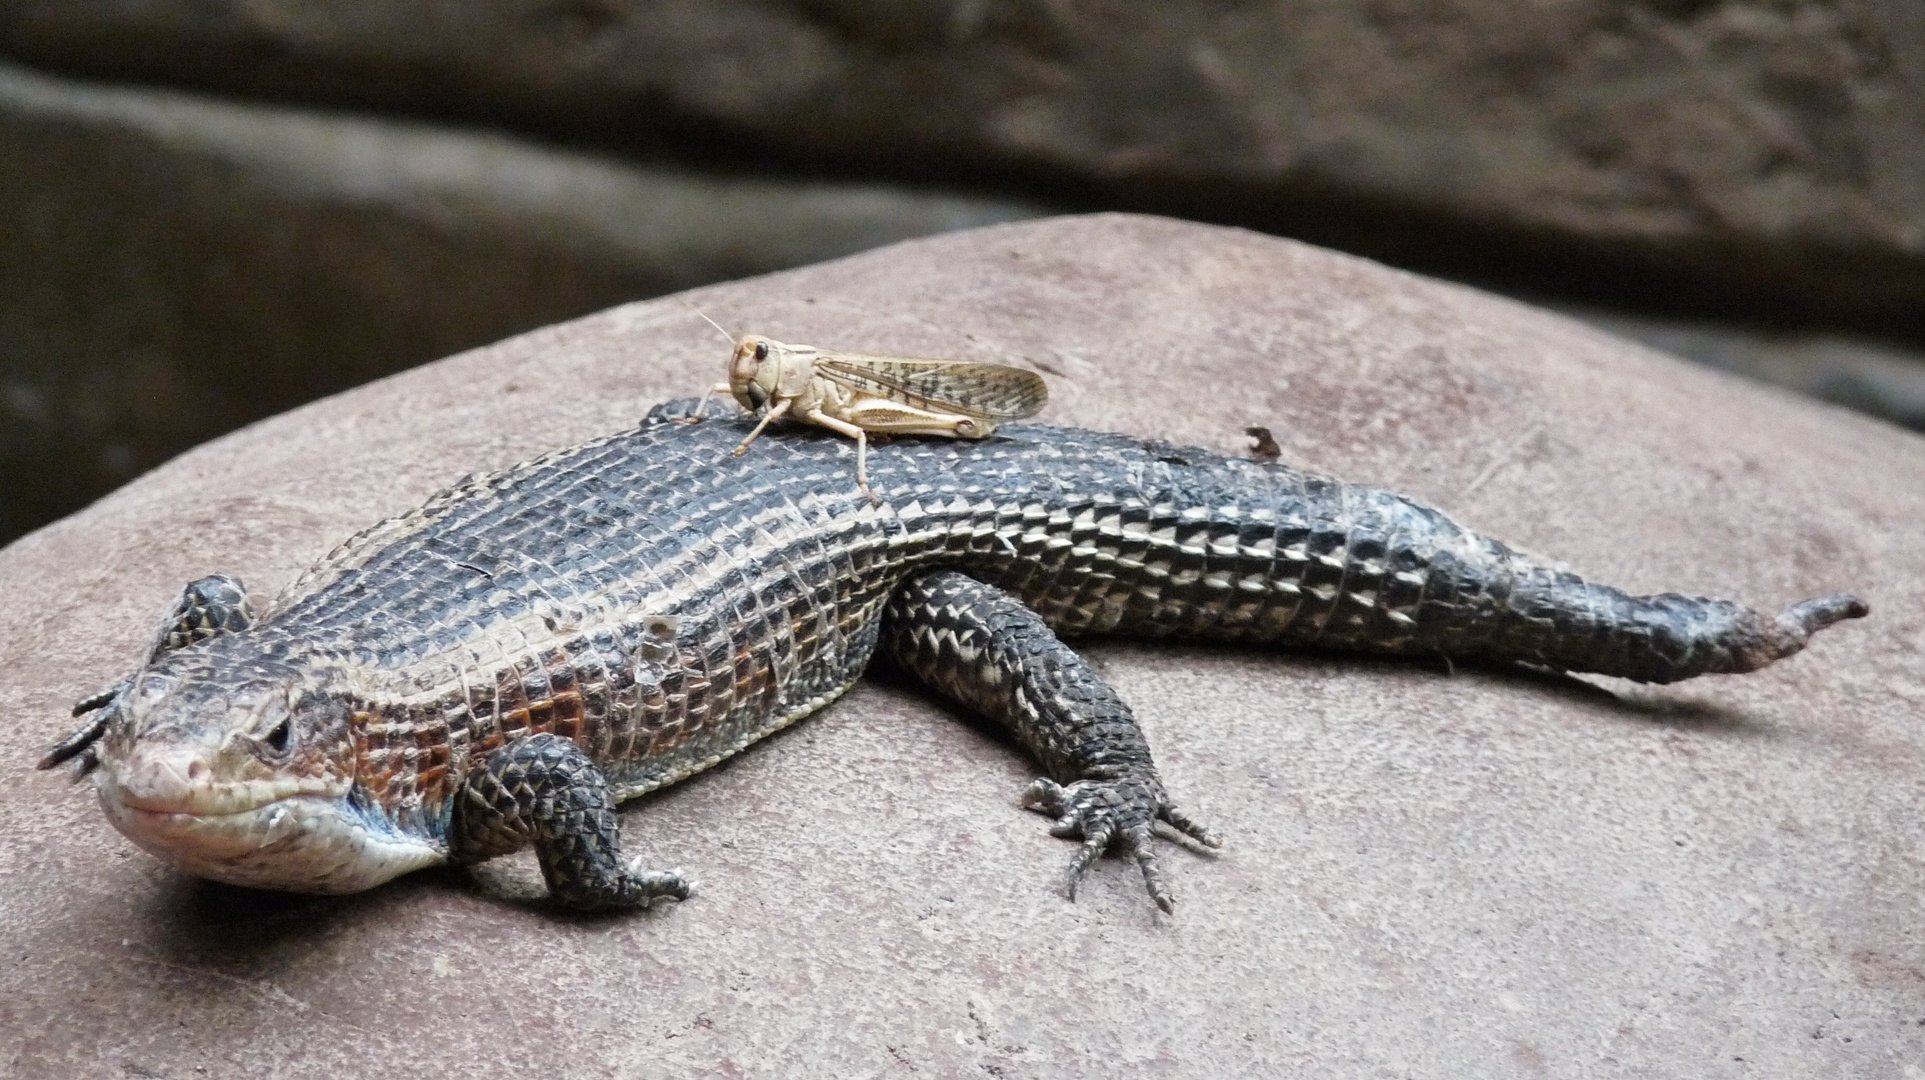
(982, 648)
(542, 789)
(210, 607)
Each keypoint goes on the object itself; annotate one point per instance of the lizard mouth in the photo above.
(193, 834)
(306, 841)
(240, 807)
(175, 781)
(213, 801)
(137, 812)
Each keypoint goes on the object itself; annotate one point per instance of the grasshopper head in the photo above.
(764, 370)
(755, 371)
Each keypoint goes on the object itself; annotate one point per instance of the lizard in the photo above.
(505, 664)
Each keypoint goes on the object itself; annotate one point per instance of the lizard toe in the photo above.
(1114, 813)
(1177, 818)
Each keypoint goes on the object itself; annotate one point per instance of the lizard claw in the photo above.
(1118, 812)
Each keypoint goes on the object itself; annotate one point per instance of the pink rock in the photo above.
(1448, 875)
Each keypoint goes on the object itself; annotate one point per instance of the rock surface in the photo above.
(1758, 154)
(175, 266)
(1470, 874)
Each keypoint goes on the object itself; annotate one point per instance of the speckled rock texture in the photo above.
(1760, 153)
(173, 266)
(1429, 873)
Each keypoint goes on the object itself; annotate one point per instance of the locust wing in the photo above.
(991, 391)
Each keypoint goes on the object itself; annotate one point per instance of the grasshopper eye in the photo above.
(761, 350)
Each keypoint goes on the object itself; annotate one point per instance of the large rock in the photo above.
(173, 267)
(1468, 874)
(1756, 155)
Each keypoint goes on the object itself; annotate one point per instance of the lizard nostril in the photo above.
(196, 770)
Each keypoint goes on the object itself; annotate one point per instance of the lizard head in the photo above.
(232, 767)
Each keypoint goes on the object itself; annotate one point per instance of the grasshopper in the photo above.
(856, 395)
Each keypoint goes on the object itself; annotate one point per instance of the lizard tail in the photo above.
(1664, 638)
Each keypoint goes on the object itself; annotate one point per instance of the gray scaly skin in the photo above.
(506, 664)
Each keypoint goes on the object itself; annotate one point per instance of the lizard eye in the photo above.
(761, 350)
(278, 736)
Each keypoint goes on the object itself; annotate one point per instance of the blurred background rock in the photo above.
(213, 210)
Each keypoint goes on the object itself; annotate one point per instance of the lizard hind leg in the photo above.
(981, 647)
(210, 607)
(542, 789)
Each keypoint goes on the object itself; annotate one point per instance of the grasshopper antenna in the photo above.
(726, 336)
(701, 407)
